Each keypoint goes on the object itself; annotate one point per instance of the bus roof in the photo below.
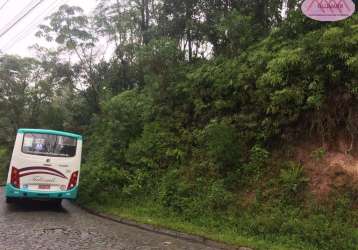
(47, 131)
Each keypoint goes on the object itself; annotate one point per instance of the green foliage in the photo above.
(292, 180)
(196, 138)
(221, 145)
(4, 163)
(103, 182)
(257, 160)
(174, 193)
(317, 231)
(68, 27)
(318, 154)
(192, 104)
(238, 32)
(123, 117)
(159, 56)
(156, 149)
(192, 199)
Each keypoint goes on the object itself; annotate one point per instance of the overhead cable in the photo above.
(20, 19)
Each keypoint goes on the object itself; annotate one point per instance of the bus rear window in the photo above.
(49, 145)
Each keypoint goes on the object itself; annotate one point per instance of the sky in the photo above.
(22, 35)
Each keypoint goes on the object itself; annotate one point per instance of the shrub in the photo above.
(105, 183)
(193, 198)
(156, 149)
(257, 161)
(222, 145)
(4, 161)
(292, 181)
(174, 193)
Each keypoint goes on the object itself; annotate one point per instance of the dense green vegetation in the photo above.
(191, 122)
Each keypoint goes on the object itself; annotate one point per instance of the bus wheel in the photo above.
(57, 202)
(9, 200)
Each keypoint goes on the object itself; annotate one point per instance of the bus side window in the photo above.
(28, 144)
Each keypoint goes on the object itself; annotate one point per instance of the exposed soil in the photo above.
(334, 169)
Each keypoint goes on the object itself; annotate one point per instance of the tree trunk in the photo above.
(188, 17)
(145, 20)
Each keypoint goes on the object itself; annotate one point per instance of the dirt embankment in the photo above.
(329, 167)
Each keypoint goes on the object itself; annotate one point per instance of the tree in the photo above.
(74, 34)
(26, 96)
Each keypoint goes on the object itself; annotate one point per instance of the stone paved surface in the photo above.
(39, 225)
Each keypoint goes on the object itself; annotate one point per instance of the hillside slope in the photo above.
(224, 147)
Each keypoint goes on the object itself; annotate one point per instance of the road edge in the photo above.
(164, 231)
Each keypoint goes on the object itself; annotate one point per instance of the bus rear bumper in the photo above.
(12, 192)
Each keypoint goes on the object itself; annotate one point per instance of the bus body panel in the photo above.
(43, 176)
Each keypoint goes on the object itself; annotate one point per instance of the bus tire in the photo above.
(57, 202)
(9, 200)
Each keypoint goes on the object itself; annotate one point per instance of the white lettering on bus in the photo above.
(42, 179)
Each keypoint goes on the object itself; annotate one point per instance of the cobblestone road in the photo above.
(38, 225)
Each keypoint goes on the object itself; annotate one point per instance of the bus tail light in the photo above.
(15, 178)
(73, 180)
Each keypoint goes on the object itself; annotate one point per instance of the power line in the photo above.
(18, 15)
(29, 28)
(22, 17)
(3, 5)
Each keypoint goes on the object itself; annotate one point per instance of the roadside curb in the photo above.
(163, 231)
(155, 229)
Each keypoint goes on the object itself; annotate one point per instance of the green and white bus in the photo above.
(45, 164)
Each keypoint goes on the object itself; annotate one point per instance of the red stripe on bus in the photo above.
(41, 168)
(41, 172)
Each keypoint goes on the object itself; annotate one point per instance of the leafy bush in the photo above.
(156, 149)
(106, 183)
(292, 180)
(4, 163)
(258, 157)
(174, 193)
(222, 145)
(195, 198)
